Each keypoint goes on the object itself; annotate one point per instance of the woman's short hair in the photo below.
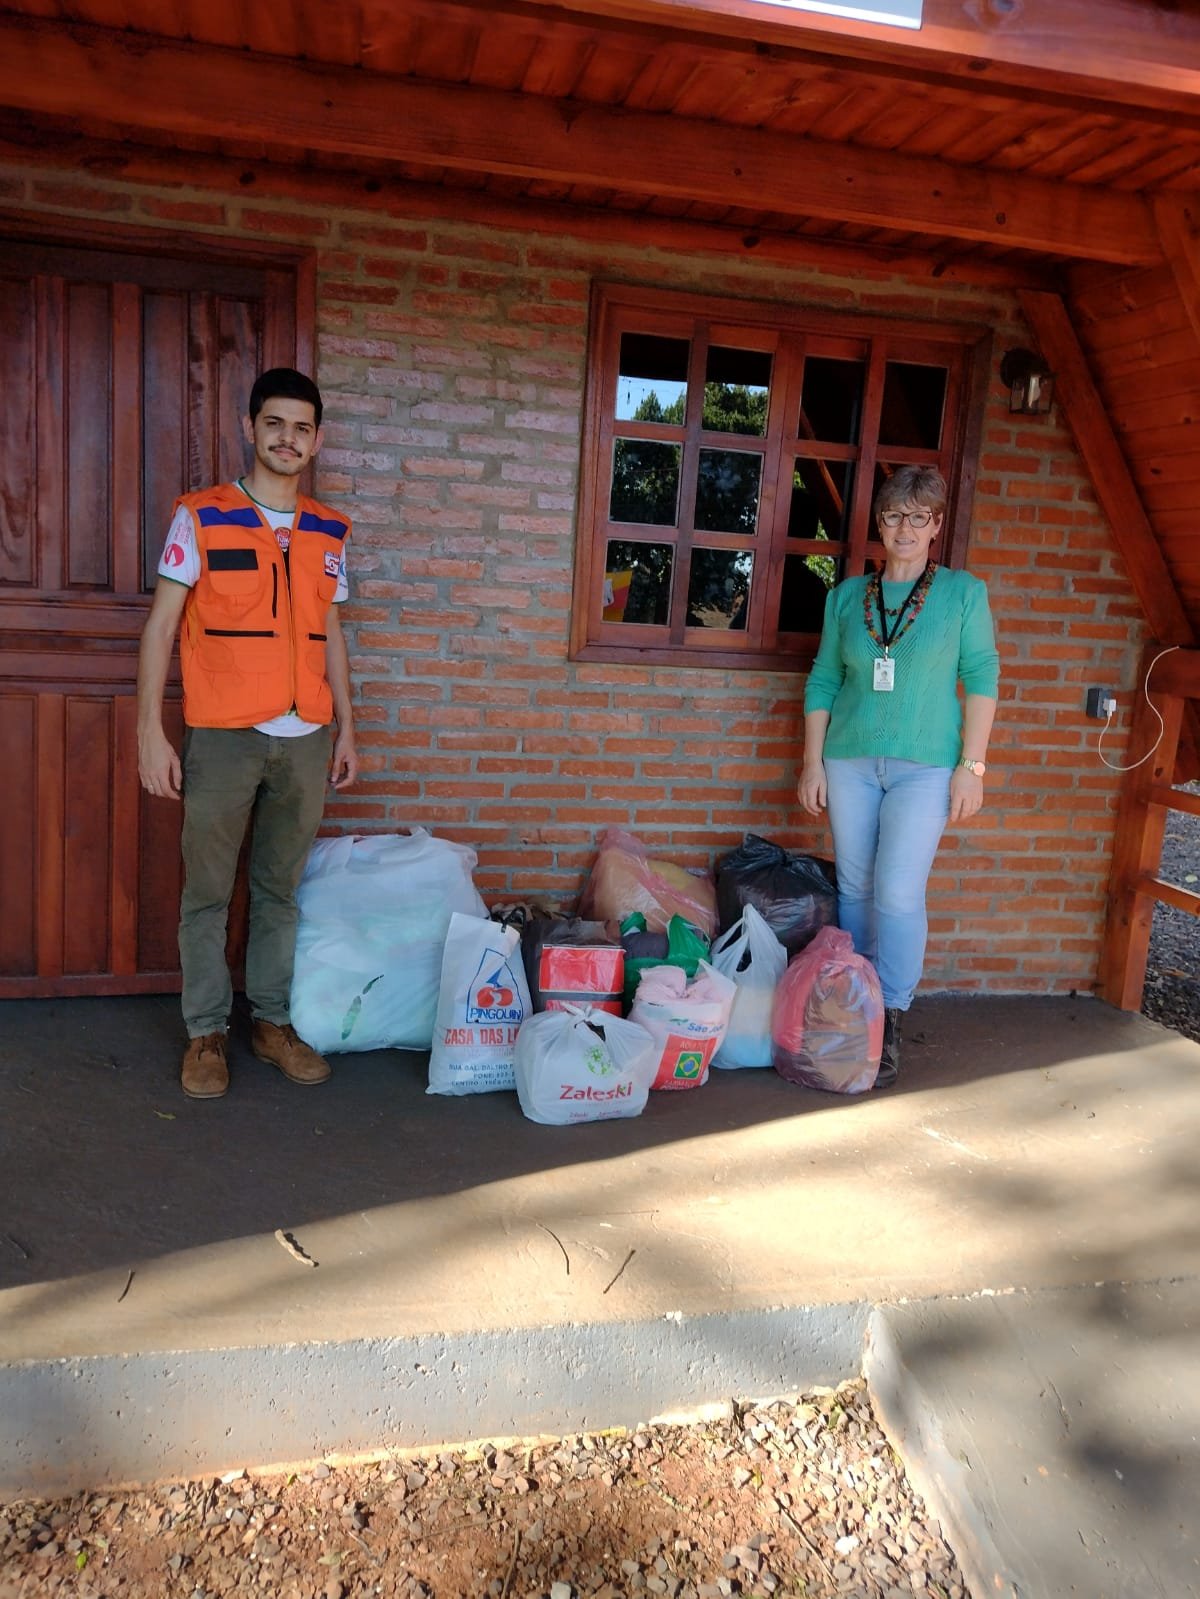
(912, 485)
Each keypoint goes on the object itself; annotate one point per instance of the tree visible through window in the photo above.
(732, 454)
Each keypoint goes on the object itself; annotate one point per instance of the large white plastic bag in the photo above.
(581, 1064)
(687, 1020)
(373, 918)
(483, 999)
(751, 956)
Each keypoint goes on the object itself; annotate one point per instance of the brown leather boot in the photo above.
(283, 1047)
(205, 1074)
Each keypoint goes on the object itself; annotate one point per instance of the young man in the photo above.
(254, 570)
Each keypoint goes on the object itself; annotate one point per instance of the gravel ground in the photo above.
(1172, 994)
(803, 1499)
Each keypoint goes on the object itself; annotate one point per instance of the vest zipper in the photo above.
(274, 593)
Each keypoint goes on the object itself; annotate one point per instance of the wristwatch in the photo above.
(973, 766)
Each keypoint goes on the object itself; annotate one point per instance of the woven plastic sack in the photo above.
(580, 1064)
(754, 960)
(827, 1026)
(687, 1021)
(795, 894)
(483, 1001)
(373, 918)
(625, 878)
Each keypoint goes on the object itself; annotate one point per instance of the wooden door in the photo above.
(125, 371)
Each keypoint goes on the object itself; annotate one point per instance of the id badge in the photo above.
(885, 674)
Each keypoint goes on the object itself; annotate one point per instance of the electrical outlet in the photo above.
(1101, 702)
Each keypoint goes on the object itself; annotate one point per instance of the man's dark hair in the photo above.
(285, 383)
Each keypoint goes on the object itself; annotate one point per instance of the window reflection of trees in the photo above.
(719, 588)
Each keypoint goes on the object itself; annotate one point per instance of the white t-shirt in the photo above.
(181, 564)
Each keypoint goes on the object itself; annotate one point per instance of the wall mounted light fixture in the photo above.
(1030, 383)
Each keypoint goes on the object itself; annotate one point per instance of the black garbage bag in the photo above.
(795, 894)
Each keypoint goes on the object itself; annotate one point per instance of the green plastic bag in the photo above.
(686, 946)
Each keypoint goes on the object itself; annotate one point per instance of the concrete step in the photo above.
(1056, 1435)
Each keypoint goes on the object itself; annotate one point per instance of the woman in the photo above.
(886, 743)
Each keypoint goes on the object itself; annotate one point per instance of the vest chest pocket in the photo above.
(235, 578)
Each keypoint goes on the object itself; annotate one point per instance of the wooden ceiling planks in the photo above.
(184, 92)
(1137, 52)
(1118, 484)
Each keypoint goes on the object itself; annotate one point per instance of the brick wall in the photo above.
(451, 357)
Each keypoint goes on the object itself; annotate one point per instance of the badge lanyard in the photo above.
(884, 680)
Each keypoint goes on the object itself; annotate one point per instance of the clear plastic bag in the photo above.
(374, 912)
(827, 1026)
(625, 878)
(795, 894)
(582, 1065)
(751, 956)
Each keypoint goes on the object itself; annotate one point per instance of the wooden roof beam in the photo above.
(1117, 52)
(1177, 217)
(141, 83)
(1115, 489)
(400, 197)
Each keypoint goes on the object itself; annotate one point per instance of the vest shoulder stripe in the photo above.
(311, 523)
(214, 516)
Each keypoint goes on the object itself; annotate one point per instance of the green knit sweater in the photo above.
(951, 640)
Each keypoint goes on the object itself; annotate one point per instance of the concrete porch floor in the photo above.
(479, 1275)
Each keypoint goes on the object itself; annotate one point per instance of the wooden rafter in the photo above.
(291, 106)
(1088, 420)
(1177, 218)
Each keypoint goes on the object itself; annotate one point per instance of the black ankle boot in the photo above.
(889, 1061)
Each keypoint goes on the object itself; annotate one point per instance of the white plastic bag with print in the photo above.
(581, 1064)
(373, 918)
(686, 1019)
(483, 1000)
(752, 957)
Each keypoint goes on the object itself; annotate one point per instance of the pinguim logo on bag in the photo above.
(493, 996)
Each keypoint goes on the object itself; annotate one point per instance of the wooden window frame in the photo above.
(789, 333)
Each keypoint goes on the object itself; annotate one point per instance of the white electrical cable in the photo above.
(1162, 726)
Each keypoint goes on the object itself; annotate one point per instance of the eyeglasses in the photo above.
(915, 519)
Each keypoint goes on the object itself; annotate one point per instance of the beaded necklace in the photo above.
(905, 613)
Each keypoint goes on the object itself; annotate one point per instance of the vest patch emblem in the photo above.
(332, 562)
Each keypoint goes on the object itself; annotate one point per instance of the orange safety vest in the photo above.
(252, 644)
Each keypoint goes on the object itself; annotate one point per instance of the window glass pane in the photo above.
(831, 400)
(913, 400)
(821, 495)
(727, 488)
(736, 390)
(637, 583)
(719, 588)
(652, 382)
(807, 579)
(645, 482)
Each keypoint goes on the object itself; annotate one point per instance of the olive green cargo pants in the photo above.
(229, 775)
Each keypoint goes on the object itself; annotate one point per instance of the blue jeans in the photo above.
(887, 818)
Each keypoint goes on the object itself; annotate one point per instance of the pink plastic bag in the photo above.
(827, 1025)
(625, 878)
